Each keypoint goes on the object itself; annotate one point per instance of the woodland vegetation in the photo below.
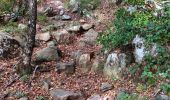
(84, 50)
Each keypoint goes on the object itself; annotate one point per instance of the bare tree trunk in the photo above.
(30, 38)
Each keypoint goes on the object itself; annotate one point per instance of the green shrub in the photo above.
(154, 29)
(41, 18)
(166, 88)
(6, 5)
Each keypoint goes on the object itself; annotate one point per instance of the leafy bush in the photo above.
(154, 29)
(6, 5)
(166, 88)
(42, 18)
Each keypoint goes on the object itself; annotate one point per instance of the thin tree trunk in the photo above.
(30, 38)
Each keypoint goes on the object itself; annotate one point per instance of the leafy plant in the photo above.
(19, 94)
(42, 18)
(24, 78)
(40, 98)
(166, 88)
(6, 5)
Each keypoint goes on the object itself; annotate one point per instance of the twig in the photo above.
(33, 76)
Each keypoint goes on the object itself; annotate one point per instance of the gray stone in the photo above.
(9, 47)
(162, 97)
(98, 65)
(63, 37)
(67, 67)
(87, 26)
(51, 44)
(23, 98)
(47, 54)
(84, 63)
(95, 97)
(22, 27)
(53, 7)
(115, 65)
(90, 38)
(46, 85)
(66, 17)
(76, 55)
(139, 51)
(60, 94)
(43, 36)
(105, 87)
(74, 28)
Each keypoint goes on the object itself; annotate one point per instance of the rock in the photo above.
(23, 98)
(53, 7)
(68, 67)
(95, 97)
(84, 63)
(74, 28)
(115, 65)
(87, 26)
(21, 40)
(51, 44)
(48, 54)
(76, 55)
(46, 84)
(139, 51)
(162, 97)
(49, 28)
(90, 38)
(63, 37)
(60, 94)
(9, 47)
(73, 2)
(66, 17)
(97, 66)
(105, 87)
(22, 27)
(43, 36)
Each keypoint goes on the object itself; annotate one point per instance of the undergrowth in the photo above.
(153, 29)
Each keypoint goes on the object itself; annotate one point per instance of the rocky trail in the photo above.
(69, 60)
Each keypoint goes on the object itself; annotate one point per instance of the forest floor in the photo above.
(86, 83)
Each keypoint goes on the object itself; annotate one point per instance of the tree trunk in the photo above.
(30, 38)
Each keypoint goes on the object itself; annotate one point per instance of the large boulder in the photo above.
(60, 94)
(115, 65)
(51, 53)
(63, 37)
(84, 62)
(162, 97)
(140, 49)
(67, 67)
(9, 47)
(43, 36)
(53, 7)
(98, 65)
(90, 38)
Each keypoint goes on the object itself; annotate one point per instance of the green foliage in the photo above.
(166, 88)
(127, 96)
(41, 18)
(24, 78)
(6, 5)
(135, 2)
(19, 94)
(10, 27)
(154, 29)
(40, 98)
